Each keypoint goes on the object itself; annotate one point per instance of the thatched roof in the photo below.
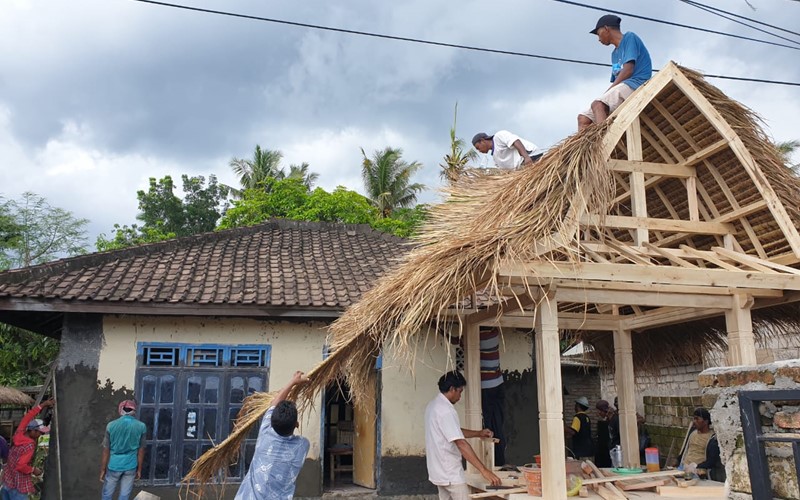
(493, 223)
(11, 396)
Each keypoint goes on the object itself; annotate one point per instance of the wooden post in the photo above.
(551, 412)
(633, 139)
(741, 342)
(472, 393)
(623, 376)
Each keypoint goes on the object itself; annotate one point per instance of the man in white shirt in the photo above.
(508, 150)
(445, 442)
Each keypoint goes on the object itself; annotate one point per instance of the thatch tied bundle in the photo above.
(11, 396)
(494, 220)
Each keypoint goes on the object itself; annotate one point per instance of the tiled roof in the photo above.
(276, 264)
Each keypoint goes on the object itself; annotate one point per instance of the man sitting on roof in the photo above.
(630, 68)
(508, 150)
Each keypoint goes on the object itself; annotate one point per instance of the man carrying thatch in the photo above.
(279, 454)
(446, 443)
(630, 68)
(508, 150)
(17, 483)
(123, 452)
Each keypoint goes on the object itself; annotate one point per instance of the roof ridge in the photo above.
(13, 276)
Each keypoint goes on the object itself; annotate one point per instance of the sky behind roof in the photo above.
(96, 96)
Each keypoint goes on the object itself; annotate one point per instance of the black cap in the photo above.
(479, 137)
(607, 20)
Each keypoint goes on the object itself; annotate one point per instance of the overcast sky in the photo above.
(96, 96)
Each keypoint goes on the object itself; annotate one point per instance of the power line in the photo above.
(712, 10)
(422, 41)
(679, 25)
(743, 17)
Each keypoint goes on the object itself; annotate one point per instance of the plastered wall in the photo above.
(295, 346)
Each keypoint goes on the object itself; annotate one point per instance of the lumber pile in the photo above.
(612, 486)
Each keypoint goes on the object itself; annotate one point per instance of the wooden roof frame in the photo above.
(638, 272)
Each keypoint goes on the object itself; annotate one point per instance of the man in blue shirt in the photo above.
(630, 68)
(279, 454)
(123, 452)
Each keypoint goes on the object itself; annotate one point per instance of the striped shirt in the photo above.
(491, 376)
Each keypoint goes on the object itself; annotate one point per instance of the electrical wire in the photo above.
(422, 41)
(743, 17)
(711, 10)
(679, 25)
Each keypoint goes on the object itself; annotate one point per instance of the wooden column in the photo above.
(472, 393)
(551, 412)
(741, 342)
(633, 138)
(624, 378)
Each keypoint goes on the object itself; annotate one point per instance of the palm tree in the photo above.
(457, 159)
(265, 163)
(301, 172)
(387, 180)
(786, 149)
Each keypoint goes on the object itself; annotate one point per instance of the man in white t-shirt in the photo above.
(445, 442)
(508, 150)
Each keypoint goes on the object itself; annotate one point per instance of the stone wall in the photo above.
(667, 421)
(723, 386)
(579, 381)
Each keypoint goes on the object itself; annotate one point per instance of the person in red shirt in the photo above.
(17, 484)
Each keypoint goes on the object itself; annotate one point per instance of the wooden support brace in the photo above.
(624, 378)
(741, 342)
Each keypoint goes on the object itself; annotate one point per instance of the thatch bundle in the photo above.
(11, 396)
(488, 221)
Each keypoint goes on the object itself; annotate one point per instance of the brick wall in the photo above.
(577, 382)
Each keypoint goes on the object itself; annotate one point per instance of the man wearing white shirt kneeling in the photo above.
(446, 443)
(508, 150)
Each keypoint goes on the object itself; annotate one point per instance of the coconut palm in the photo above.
(387, 180)
(252, 173)
(457, 159)
(301, 172)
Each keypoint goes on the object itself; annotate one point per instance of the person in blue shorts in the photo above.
(630, 68)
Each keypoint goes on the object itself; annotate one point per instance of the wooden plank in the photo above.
(707, 151)
(629, 486)
(644, 475)
(671, 225)
(710, 257)
(499, 493)
(742, 211)
(691, 197)
(746, 159)
(626, 386)
(708, 492)
(572, 321)
(745, 258)
(551, 410)
(631, 253)
(544, 272)
(472, 393)
(610, 486)
(643, 298)
(668, 316)
(512, 304)
(675, 170)
(670, 256)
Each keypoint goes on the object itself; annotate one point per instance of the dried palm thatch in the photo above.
(11, 396)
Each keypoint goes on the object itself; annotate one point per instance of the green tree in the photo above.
(457, 159)
(253, 172)
(301, 171)
(387, 180)
(25, 357)
(32, 232)
(41, 232)
(342, 206)
(164, 215)
(274, 198)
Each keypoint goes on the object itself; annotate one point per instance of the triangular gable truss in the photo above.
(696, 230)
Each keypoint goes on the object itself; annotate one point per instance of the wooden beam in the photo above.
(668, 316)
(742, 212)
(642, 298)
(633, 141)
(751, 167)
(691, 197)
(676, 170)
(472, 392)
(551, 410)
(755, 263)
(707, 151)
(675, 226)
(544, 272)
(626, 386)
(741, 342)
(511, 304)
(566, 321)
(670, 256)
